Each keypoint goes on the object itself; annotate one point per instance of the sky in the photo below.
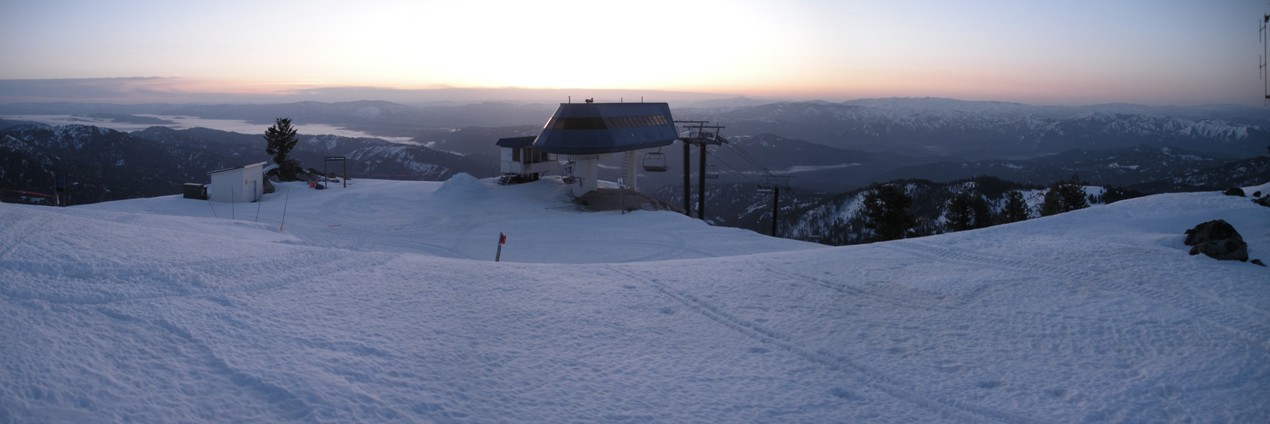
(1042, 52)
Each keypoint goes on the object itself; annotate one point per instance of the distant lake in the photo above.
(186, 122)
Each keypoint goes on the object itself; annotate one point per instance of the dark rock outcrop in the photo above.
(1218, 240)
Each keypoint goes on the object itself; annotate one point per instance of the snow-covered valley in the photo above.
(381, 302)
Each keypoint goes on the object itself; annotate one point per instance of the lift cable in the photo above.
(735, 169)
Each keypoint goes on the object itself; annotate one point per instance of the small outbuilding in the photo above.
(521, 161)
(237, 185)
(194, 191)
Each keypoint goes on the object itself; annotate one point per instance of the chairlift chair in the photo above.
(655, 161)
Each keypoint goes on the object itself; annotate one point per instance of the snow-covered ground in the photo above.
(381, 302)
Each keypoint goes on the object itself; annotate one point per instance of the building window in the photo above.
(580, 123)
(595, 123)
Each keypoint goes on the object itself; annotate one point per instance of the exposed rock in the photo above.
(1234, 191)
(613, 199)
(1217, 239)
(1263, 201)
(1257, 262)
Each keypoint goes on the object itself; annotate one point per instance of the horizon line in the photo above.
(177, 90)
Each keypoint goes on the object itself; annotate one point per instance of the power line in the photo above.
(773, 183)
(738, 171)
(747, 157)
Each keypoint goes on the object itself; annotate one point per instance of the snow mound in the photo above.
(461, 186)
(1263, 188)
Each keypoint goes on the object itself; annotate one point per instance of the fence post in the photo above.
(502, 239)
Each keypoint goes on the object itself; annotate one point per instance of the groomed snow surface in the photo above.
(381, 302)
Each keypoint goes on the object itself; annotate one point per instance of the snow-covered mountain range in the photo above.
(834, 217)
(1138, 166)
(102, 164)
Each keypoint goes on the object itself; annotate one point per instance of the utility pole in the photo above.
(61, 197)
(776, 210)
(701, 181)
(687, 177)
(1265, 51)
(774, 183)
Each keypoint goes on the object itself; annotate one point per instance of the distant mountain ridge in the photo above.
(380, 118)
(998, 130)
(834, 217)
(1124, 166)
(946, 129)
(97, 164)
(366, 157)
(821, 146)
(103, 164)
(106, 165)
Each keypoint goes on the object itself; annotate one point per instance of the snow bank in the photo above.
(1264, 189)
(367, 307)
(461, 186)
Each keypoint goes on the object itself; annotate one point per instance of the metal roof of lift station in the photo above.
(600, 128)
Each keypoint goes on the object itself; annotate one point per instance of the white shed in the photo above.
(242, 184)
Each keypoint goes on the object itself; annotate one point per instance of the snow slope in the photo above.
(381, 302)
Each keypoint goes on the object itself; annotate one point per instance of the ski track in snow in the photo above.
(283, 403)
(871, 378)
(265, 274)
(15, 230)
(1217, 312)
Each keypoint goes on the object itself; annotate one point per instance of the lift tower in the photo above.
(702, 134)
(1265, 54)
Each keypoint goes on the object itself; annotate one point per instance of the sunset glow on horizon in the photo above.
(1183, 52)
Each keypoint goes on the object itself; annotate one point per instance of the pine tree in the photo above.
(886, 212)
(280, 139)
(967, 212)
(1064, 196)
(1015, 209)
(1116, 194)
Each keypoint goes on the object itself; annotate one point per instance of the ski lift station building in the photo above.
(580, 134)
(237, 185)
